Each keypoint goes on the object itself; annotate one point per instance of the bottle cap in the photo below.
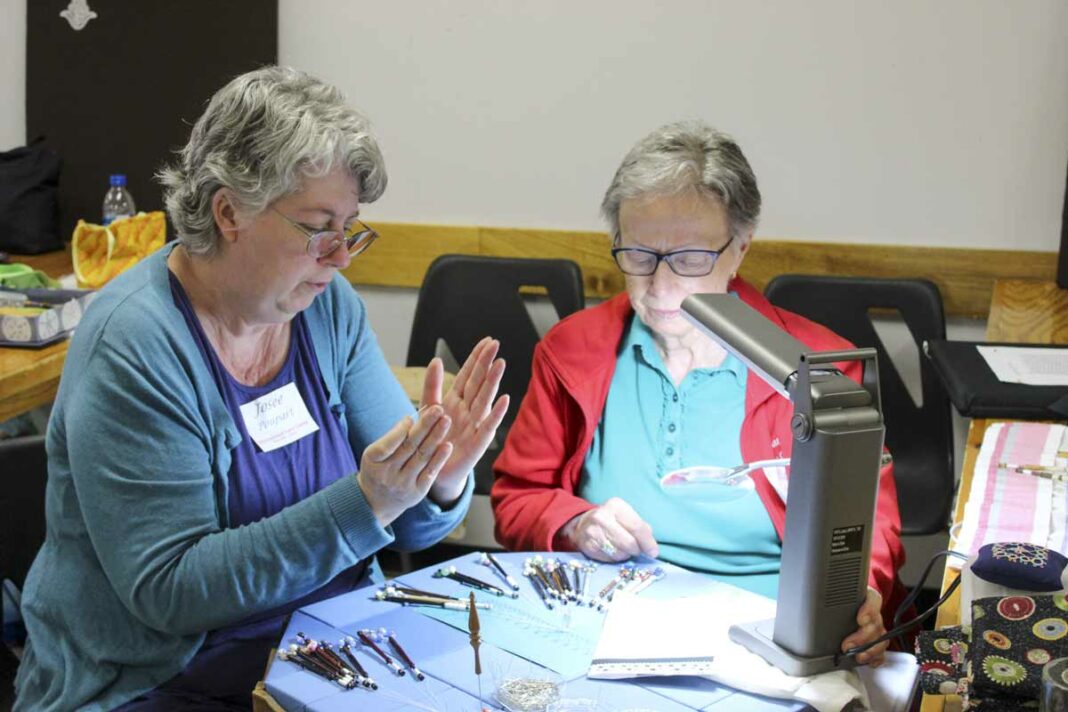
(118, 179)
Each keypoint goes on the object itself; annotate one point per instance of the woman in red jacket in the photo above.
(628, 390)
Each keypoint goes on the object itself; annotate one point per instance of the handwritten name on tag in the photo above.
(278, 418)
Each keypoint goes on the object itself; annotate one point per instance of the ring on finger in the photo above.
(608, 547)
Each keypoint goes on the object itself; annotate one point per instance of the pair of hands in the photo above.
(615, 532)
(433, 455)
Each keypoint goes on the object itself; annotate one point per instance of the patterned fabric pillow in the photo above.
(1013, 637)
(1027, 567)
(941, 655)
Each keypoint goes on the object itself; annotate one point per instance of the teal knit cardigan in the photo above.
(139, 561)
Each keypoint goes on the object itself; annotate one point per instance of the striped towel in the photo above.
(1007, 505)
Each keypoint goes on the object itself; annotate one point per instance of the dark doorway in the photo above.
(120, 95)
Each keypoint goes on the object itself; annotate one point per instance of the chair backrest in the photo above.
(23, 476)
(464, 298)
(919, 437)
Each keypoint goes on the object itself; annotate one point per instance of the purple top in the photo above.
(261, 484)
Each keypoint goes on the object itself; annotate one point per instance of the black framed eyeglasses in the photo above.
(322, 243)
(640, 262)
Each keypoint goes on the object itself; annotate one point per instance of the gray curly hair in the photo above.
(681, 155)
(261, 136)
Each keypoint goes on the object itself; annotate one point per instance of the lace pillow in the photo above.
(1026, 567)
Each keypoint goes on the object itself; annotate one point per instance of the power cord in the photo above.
(899, 627)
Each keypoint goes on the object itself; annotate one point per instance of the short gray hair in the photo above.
(681, 155)
(261, 136)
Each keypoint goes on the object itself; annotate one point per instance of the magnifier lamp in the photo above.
(834, 477)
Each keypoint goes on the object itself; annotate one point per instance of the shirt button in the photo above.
(671, 428)
(675, 397)
(670, 451)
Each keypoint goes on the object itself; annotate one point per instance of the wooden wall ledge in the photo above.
(401, 257)
(965, 276)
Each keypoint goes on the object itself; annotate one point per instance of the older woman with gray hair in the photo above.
(228, 443)
(627, 391)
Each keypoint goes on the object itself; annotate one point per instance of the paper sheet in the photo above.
(689, 634)
(1030, 366)
(692, 639)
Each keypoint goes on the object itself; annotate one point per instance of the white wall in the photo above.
(904, 121)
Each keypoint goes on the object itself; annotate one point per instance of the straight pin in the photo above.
(542, 593)
(448, 603)
(309, 665)
(321, 653)
(313, 663)
(361, 674)
(367, 640)
(407, 660)
(472, 582)
(421, 592)
(486, 556)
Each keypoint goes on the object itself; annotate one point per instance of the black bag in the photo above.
(29, 199)
(977, 393)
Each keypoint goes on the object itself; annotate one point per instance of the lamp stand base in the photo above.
(757, 638)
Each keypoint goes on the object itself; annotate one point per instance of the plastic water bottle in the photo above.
(118, 203)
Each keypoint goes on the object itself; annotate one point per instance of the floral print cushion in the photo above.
(1013, 637)
(941, 655)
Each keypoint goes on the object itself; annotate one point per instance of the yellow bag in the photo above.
(100, 253)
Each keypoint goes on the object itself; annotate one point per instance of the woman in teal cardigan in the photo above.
(228, 442)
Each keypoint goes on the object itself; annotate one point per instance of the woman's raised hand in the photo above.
(432, 455)
(471, 408)
(398, 469)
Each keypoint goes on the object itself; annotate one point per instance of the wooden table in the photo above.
(29, 377)
(1028, 311)
(1021, 311)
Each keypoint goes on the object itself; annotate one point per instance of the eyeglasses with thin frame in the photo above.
(641, 262)
(323, 243)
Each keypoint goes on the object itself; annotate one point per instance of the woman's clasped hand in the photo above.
(433, 452)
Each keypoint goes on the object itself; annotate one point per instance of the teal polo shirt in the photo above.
(650, 427)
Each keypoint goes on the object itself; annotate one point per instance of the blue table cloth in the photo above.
(521, 638)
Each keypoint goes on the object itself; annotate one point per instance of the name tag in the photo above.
(278, 418)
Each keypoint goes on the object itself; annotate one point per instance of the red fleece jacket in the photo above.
(537, 473)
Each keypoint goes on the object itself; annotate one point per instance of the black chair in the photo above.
(9, 667)
(22, 527)
(464, 298)
(919, 437)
